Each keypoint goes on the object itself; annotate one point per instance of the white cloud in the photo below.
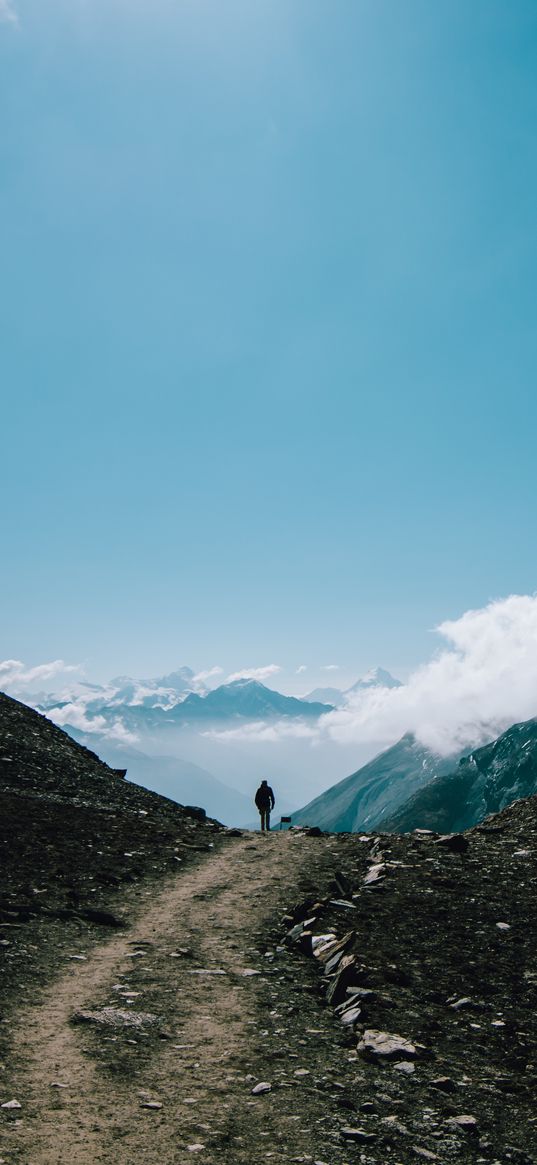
(482, 681)
(15, 676)
(74, 715)
(202, 676)
(7, 13)
(485, 680)
(263, 732)
(330, 667)
(300, 669)
(255, 673)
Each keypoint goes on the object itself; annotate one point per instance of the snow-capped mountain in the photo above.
(377, 677)
(250, 699)
(333, 696)
(138, 706)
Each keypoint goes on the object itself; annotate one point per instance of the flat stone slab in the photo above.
(378, 1043)
(360, 1136)
(115, 1018)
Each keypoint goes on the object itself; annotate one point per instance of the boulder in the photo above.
(385, 1044)
(345, 977)
(115, 1018)
(456, 842)
(195, 812)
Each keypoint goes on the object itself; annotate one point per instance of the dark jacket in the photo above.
(264, 797)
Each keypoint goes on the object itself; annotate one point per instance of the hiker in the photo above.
(264, 800)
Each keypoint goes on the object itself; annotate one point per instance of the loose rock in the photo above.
(379, 1043)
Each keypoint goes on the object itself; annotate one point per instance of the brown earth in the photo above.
(201, 956)
(112, 897)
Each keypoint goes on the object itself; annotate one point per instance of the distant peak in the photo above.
(376, 677)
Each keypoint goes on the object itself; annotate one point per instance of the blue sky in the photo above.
(268, 340)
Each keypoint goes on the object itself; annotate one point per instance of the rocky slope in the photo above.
(73, 835)
(378, 789)
(426, 950)
(484, 782)
(172, 776)
(391, 980)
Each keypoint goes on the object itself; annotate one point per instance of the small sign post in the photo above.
(285, 821)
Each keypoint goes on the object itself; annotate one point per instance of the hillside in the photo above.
(484, 782)
(73, 835)
(173, 777)
(363, 800)
(434, 981)
(172, 989)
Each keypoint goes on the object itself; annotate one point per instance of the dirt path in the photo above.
(196, 956)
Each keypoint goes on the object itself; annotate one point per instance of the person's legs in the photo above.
(262, 813)
(267, 819)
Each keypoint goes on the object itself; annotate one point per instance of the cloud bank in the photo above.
(16, 677)
(74, 715)
(483, 679)
(201, 677)
(482, 682)
(255, 673)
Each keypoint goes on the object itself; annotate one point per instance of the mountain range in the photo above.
(408, 787)
(483, 782)
(140, 707)
(184, 698)
(361, 801)
(338, 697)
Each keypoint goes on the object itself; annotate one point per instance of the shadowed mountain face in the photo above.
(249, 699)
(484, 782)
(362, 800)
(407, 787)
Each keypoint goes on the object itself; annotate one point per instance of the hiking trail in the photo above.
(197, 954)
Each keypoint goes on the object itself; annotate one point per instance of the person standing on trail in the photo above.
(264, 800)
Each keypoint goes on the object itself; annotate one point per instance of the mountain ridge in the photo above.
(358, 802)
(376, 677)
(485, 781)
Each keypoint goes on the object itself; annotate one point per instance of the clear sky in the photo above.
(268, 346)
